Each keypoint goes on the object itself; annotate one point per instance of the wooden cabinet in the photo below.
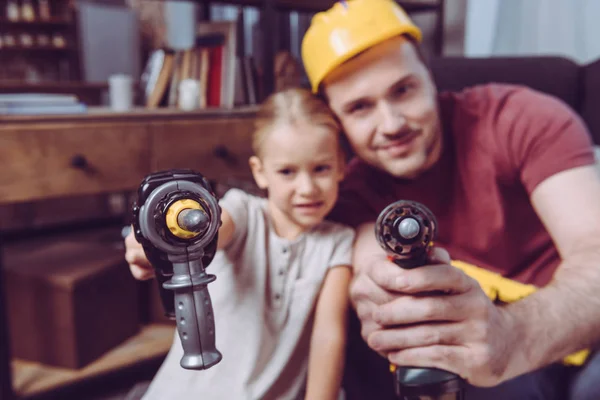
(50, 160)
(100, 153)
(217, 148)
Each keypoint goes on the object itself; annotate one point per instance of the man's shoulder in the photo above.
(490, 90)
(494, 98)
(361, 176)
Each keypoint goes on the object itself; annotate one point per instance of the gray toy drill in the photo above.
(406, 230)
(176, 219)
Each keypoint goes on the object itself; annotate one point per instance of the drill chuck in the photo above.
(409, 228)
(191, 220)
(405, 230)
(186, 218)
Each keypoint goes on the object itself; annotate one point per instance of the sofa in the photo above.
(577, 85)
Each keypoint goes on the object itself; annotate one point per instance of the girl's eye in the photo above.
(322, 168)
(285, 171)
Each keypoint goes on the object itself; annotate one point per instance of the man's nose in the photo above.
(391, 121)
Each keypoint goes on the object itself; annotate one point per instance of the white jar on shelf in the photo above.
(189, 94)
(13, 13)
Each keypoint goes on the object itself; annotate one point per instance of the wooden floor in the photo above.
(142, 352)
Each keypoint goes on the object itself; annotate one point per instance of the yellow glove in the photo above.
(497, 287)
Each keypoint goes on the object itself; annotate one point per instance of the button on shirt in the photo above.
(263, 300)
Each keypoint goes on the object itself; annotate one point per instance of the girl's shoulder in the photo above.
(247, 211)
(240, 198)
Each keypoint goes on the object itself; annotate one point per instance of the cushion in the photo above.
(557, 76)
(590, 110)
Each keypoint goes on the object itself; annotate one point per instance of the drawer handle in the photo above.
(78, 161)
(224, 154)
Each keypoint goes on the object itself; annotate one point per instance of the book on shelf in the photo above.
(225, 79)
(40, 104)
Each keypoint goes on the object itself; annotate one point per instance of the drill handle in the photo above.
(163, 270)
(166, 296)
(408, 263)
(194, 315)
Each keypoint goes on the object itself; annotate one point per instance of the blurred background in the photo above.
(96, 94)
(68, 40)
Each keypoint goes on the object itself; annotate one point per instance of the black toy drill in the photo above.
(406, 230)
(176, 219)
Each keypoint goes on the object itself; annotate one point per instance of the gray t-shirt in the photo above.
(263, 299)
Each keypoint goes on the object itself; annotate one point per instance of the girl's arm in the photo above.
(328, 341)
(226, 230)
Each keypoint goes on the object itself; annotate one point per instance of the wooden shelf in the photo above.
(152, 343)
(136, 115)
(39, 49)
(54, 23)
(89, 93)
(46, 61)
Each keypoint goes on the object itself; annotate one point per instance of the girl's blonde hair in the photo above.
(291, 106)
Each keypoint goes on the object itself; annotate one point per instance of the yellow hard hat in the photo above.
(348, 28)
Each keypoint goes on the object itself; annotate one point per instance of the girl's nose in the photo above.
(306, 185)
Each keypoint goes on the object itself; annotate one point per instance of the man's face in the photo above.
(386, 101)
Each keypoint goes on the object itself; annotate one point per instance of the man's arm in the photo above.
(328, 340)
(564, 316)
(466, 333)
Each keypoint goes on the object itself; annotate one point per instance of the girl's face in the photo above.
(301, 166)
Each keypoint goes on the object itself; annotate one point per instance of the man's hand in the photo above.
(457, 328)
(138, 263)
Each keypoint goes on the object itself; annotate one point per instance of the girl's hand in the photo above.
(138, 263)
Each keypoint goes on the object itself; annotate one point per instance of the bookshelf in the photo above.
(261, 73)
(38, 41)
(271, 9)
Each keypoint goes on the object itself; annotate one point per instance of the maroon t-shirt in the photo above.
(500, 142)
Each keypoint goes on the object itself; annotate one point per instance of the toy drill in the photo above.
(176, 218)
(405, 230)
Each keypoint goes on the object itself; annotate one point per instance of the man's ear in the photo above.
(258, 172)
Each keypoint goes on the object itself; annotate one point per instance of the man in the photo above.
(509, 174)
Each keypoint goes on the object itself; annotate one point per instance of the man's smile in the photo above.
(399, 145)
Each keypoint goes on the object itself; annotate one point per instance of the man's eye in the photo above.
(401, 90)
(358, 107)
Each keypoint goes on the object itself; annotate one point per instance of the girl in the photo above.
(280, 298)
